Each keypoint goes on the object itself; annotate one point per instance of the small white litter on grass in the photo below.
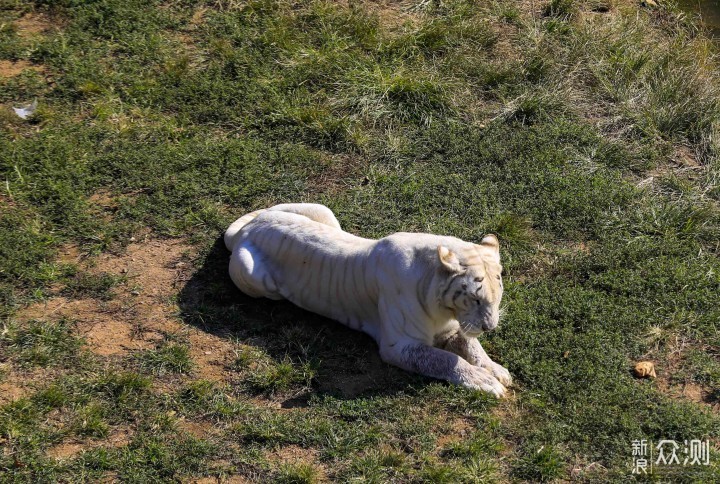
(26, 111)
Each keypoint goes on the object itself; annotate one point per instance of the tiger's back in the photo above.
(315, 265)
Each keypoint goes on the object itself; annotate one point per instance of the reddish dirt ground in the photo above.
(144, 309)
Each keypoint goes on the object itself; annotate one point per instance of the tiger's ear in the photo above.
(449, 259)
(491, 242)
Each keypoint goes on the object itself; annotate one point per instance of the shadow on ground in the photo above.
(348, 361)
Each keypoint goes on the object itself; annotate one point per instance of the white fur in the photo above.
(424, 298)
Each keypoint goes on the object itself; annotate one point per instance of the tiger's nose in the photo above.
(489, 325)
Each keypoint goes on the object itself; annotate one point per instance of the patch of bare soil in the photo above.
(292, 454)
(295, 455)
(682, 164)
(211, 354)
(144, 309)
(686, 391)
(223, 480)
(374, 374)
(68, 450)
(583, 471)
(103, 199)
(33, 24)
(15, 68)
(685, 157)
(393, 13)
(104, 326)
(667, 384)
(10, 391)
(456, 431)
(198, 17)
(200, 430)
(351, 386)
(18, 383)
(194, 57)
(70, 255)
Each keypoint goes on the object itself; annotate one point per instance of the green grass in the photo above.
(43, 344)
(92, 285)
(168, 358)
(297, 474)
(558, 129)
(263, 374)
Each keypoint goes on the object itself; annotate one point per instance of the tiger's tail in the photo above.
(232, 232)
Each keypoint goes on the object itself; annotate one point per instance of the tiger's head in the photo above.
(473, 285)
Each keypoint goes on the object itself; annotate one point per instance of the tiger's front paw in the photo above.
(501, 373)
(481, 379)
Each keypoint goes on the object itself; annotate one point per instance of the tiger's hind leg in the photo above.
(313, 211)
(249, 272)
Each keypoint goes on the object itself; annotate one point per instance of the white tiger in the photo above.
(424, 298)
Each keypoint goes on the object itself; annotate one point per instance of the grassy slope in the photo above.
(461, 118)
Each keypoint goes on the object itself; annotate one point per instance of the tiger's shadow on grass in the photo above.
(346, 362)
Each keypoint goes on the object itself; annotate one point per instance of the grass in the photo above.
(297, 474)
(41, 344)
(265, 375)
(168, 358)
(583, 133)
(92, 285)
